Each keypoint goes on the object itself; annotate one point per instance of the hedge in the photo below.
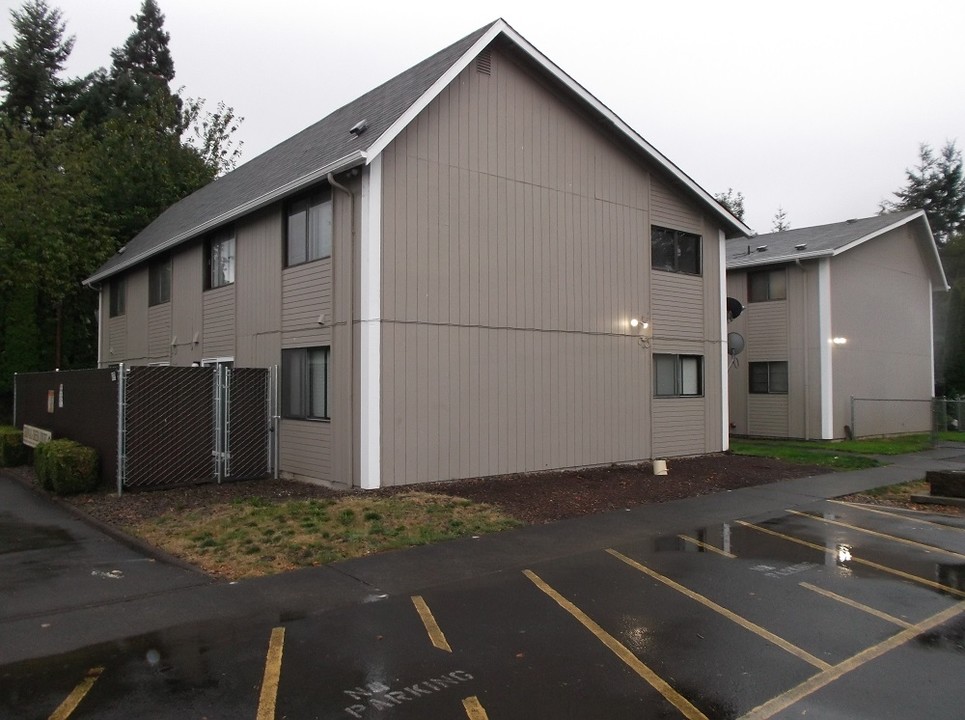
(12, 450)
(66, 467)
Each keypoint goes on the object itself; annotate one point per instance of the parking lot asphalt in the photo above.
(772, 601)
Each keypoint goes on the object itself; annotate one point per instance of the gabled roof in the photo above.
(824, 241)
(328, 147)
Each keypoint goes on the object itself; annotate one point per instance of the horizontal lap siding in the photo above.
(678, 427)
(159, 332)
(218, 338)
(307, 290)
(678, 306)
(258, 289)
(305, 449)
(767, 331)
(670, 210)
(768, 415)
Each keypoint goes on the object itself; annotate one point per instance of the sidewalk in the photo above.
(65, 585)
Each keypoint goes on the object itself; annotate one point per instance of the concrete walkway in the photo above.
(66, 585)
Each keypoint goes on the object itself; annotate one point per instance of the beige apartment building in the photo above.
(474, 269)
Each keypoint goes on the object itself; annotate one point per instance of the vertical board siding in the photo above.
(258, 288)
(159, 332)
(516, 246)
(678, 427)
(218, 337)
(116, 350)
(136, 312)
(305, 449)
(767, 415)
(187, 281)
(465, 402)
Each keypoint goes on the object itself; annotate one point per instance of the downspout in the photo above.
(807, 350)
(351, 341)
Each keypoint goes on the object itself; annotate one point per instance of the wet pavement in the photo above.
(772, 603)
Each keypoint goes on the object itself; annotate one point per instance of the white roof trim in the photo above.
(502, 27)
(356, 158)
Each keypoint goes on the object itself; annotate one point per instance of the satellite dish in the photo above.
(734, 309)
(735, 344)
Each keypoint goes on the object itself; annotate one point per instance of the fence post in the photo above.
(854, 431)
(218, 423)
(121, 428)
(272, 406)
(226, 448)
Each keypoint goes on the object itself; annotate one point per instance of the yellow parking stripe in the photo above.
(705, 546)
(432, 627)
(867, 563)
(903, 516)
(71, 702)
(269, 684)
(855, 604)
(785, 700)
(734, 617)
(875, 533)
(617, 648)
(474, 709)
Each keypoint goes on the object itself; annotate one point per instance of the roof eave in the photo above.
(345, 163)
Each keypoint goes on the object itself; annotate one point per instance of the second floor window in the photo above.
(220, 260)
(674, 250)
(766, 285)
(308, 229)
(117, 292)
(159, 282)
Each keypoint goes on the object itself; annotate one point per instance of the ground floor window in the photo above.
(678, 375)
(304, 383)
(768, 377)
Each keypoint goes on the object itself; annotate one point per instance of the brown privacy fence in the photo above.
(160, 426)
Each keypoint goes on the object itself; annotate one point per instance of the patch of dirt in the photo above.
(529, 497)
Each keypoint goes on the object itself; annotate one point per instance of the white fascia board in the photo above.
(824, 348)
(356, 158)
(736, 264)
(927, 239)
(724, 358)
(931, 336)
(502, 27)
(370, 328)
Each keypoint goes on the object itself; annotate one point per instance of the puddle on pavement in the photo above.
(17, 536)
(950, 637)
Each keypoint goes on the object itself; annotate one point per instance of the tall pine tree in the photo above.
(30, 67)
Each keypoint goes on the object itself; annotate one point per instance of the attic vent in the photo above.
(800, 246)
(852, 221)
(484, 62)
(761, 248)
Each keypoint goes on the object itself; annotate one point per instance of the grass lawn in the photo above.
(253, 536)
(836, 455)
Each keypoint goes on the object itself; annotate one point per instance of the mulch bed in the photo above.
(529, 497)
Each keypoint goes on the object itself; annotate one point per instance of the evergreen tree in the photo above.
(30, 67)
(780, 222)
(937, 186)
(733, 201)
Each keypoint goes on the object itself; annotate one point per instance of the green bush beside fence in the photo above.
(12, 450)
(66, 467)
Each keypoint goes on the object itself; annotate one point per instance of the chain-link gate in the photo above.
(180, 425)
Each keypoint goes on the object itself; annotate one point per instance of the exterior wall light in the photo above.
(637, 322)
(839, 340)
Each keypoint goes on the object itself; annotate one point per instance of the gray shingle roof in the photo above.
(315, 147)
(327, 146)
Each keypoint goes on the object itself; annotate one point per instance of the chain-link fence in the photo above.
(161, 426)
(875, 417)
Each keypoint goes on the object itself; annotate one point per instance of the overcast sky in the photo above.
(817, 107)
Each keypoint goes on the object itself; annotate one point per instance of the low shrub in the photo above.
(12, 450)
(66, 467)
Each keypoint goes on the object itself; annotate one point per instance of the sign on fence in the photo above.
(33, 436)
